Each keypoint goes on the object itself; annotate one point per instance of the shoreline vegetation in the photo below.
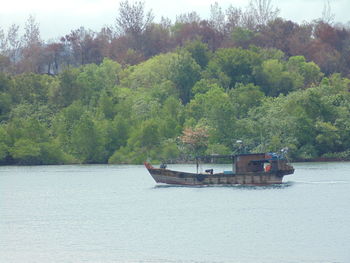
(157, 163)
(165, 91)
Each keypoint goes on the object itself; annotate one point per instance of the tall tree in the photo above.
(262, 11)
(52, 55)
(327, 15)
(132, 21)
(184, 72)
(32, 47)
(132, 18)
(83, 46)
(234, 18)
(86, 141)
(3, 41)
(14, 45)
(217, 18)
(188, 18)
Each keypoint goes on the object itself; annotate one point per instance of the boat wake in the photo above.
(233, 186)
(322, 182)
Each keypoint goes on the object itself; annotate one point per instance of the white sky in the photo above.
(57, 18)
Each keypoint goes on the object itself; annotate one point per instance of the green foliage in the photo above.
(68, 89)
(233, 65)
(169, 151)
(30, 143)
(106, 106)
(245, 98)
(184, 72)
(174, 106)
(309, 71)
(199, 52)
(86, 141)
(204, 85)
(338, 155)
(149, 134)
(31, 88)
(5, 105)
(242, 37)
(4, 143)
(26, 151)
(275, 80)
(93, 79)
(64, 124)
(114, 134)
(217, 148)
(215, 109)
(148, 74)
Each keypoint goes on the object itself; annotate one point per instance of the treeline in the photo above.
(174, 106)
(193, 99)
(136, 37)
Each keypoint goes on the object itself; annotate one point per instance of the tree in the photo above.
(195, 139)
(217, 18)
(232, 65)
(327, 15)
(29, 142)
(31, 88)
(26, 151)
(64, 123)
(310, 71)
(234, 18)
(84, 47)
(184, 32)
(262, 11)
(149, 134)
(214, 110)
(52, 56)
(68, 89)
(245, 98)
(188, 18)
(242, 37)
(14, 46)
(155, 40)
(328, 138)
(132, 18)
(274, 79)
(4, 143)
(278, 33)
(3, 42)
(106, 106)
(86, 141)
(32, 47)
(184, 72)
(132, 21)
(199, 52)
(6, 83)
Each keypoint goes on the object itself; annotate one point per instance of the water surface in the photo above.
(111, 213)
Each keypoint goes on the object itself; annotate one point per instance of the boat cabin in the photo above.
(251, 163)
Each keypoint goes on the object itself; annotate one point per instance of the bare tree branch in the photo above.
(132, 18)
(327, 15)
(263, 11)
(188, 18)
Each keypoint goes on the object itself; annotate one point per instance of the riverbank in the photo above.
(321, 160)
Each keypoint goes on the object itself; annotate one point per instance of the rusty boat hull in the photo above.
(247, 171)
(166, 176)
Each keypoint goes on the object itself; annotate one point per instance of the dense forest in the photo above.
(167, 91)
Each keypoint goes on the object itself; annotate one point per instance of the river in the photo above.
(116, 213)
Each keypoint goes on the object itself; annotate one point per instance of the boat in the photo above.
(247, 169)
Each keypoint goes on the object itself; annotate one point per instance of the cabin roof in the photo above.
(227, 155)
